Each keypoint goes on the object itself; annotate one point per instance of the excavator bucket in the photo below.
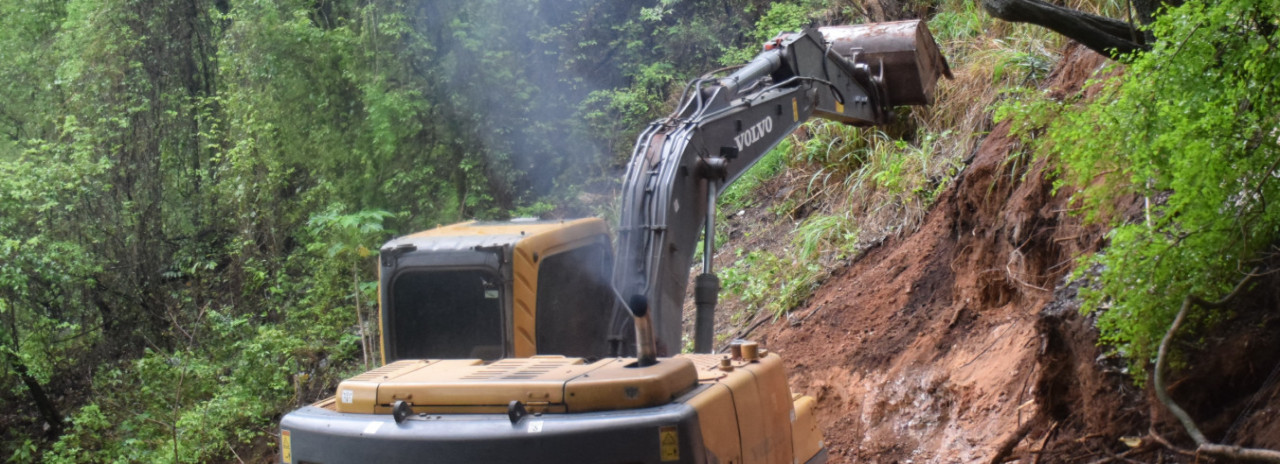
(901, 52)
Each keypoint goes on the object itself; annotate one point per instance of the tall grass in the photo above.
(862, 185)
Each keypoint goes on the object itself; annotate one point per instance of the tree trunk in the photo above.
(1110, 37)
(364, 338)
(47, 409)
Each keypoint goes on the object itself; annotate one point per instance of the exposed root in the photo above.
(1011, 441)
(1151, 433)
(1204, 446)
(1044, 441)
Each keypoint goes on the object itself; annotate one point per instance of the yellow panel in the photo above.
(669, 443)
(528, 252)
(806, 436)
(532, 408)
(286, 447)
(524, 300)
(359, 394)
(470, 382)
(753, 439)
(616, 386)
(762, 404)
(774, 403)
(329, 403)
(553, 384)
(719, 424)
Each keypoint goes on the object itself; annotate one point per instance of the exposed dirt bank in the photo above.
(962, 342)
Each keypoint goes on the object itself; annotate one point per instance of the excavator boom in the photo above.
(850, 74)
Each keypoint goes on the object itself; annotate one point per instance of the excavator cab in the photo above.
(491, 290)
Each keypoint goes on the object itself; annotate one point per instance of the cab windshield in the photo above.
(449, 314)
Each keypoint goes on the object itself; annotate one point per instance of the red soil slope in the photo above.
(961, 342)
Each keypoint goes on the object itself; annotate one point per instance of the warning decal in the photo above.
(670, 443)
(286, 454)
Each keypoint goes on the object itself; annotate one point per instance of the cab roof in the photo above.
(471, 234)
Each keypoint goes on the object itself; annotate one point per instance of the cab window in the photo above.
(450, 314)
(574, 302)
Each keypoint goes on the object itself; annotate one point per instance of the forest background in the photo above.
(191, 190)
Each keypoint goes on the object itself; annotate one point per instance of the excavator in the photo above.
(535, 341)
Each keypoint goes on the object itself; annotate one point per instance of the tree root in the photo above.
(1204, 446)
(1043, 442)
(1011, 441)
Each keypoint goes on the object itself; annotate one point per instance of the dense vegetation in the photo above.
(1201, 148)
(190, 192)
(1189, 131)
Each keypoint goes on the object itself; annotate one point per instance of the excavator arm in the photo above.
(722, 126)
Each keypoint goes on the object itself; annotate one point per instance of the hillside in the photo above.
(962, 340)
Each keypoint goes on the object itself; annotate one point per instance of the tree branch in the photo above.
(1107, 36)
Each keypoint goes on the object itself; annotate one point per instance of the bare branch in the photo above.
(1205, 447)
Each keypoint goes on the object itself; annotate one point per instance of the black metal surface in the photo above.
(575, 302)
(400, 411)
(516, 411)
(819, 458)
(706, 292)
(412, 253)
(321, 436)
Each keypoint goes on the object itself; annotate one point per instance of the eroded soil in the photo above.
(962, 341)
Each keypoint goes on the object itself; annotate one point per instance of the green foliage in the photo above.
(772, 283)
(656, 49)
(1190, 128)
(191, 405)
(962, 21)
(1028, 111)
(345, 235)
(886, 186)
(781, 17)
(629, 110)
(743, 193)
(1032, 65)
(191, 192)
(826, 233)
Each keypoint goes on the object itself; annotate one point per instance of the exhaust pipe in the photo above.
(646, 341)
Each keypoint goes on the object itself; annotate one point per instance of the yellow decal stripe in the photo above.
(286, 454)
(795, 111)
(840, 107)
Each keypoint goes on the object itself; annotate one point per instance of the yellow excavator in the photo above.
(533, 341)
